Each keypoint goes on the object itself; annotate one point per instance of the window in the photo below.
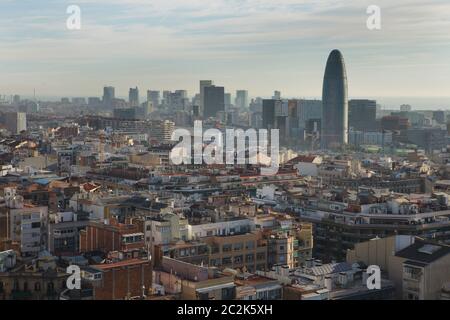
(226, 248)
(226, 261)
(35, 225)
(238, 259)
(238, 246)
(214, 262)
(37, 286)
(261, 256)
(250, 245)
(228, 293)
(203, 296)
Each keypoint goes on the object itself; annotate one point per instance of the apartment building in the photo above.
(39, 279)
(111, 236)
(417, 267)
(245, 251)
(121, 280)
(222, 227)
(337, 228)
(64, 233)
(200, 282)
(164, 229)
(425, 270)
(28, 226)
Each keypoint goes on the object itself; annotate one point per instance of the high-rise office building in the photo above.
(269, 113)
(227, 97)
(362, 115)
(175, 101)
(335, 102)
(108, 96)
(242, 99)
(309, 109)
(153, 97)
(133, 97)
(203, 84)
(276, 95)
(16, 122)
(214, 101)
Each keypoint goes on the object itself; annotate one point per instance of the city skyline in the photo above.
(259, 46)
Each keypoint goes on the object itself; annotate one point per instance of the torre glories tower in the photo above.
(335, 103)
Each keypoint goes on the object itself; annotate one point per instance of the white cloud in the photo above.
(253, 34)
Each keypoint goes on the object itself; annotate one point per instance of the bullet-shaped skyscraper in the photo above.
(335, 102)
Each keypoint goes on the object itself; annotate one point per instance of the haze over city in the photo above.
(247, 156)
(258, 45)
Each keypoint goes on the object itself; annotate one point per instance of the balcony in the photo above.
(410, 273)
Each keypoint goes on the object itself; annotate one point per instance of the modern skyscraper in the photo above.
(108, 96)
(214, 101)
(177, 100)
(242, 99)
(203, 84)
(362, 115)
(269, 113)
(335, 102)
(133, 97)
(153, 97)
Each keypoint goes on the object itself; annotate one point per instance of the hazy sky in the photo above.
(259, 45)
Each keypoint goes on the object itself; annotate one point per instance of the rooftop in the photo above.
(423, 251)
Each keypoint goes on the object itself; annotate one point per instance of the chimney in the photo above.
(343, 279)
(329, 283)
